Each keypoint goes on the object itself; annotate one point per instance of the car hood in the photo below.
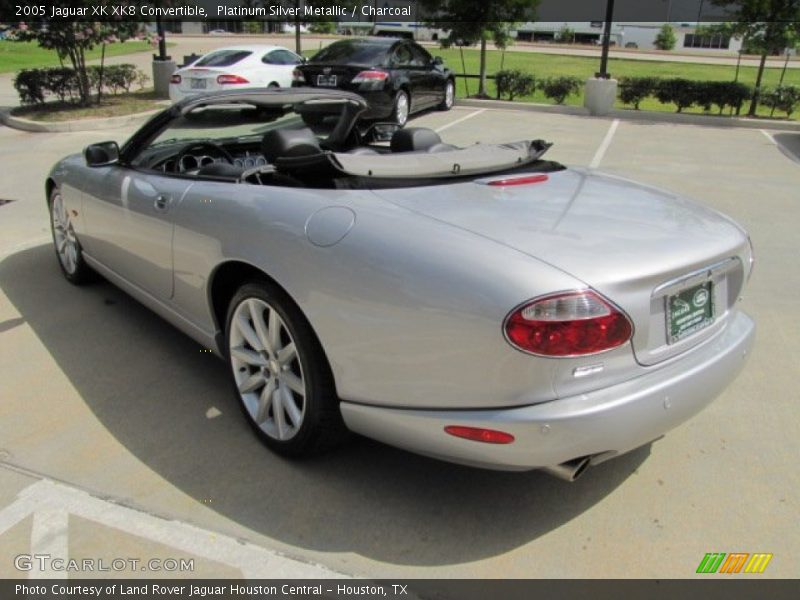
(599, 228)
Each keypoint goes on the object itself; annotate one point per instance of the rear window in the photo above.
(351, 52)
(222, 58)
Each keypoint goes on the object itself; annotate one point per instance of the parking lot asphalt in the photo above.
(120, 434)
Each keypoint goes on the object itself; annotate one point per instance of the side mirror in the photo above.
(437, 60)
(381, 132)
(102, 154)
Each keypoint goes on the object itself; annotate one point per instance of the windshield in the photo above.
(222, 58)
(351, 52)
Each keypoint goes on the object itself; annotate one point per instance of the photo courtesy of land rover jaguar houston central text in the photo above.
(480, 305)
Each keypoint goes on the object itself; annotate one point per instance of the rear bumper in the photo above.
(602, 424)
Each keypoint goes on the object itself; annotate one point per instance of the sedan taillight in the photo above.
(371, 79)
(298, 77)
(231, 79)
(370, 75)
(175, 79)
(568, 324)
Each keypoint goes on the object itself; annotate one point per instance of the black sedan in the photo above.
(397, 77)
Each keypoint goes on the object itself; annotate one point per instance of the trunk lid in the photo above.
(636, 245)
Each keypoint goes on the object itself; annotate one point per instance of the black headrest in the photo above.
(289, 143)
(413, 139)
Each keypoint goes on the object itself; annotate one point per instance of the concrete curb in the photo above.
(78, 125)
(634, 115)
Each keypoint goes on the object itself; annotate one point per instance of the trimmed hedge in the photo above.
(514, 82)
(685, 93)
(783, 97)
(35, 85)
(558, 88)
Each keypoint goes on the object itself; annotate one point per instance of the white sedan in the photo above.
(235, 67)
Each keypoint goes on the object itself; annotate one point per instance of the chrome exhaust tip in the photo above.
(570, 470)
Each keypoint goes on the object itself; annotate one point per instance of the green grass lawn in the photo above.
(549, 65)
(28, 55)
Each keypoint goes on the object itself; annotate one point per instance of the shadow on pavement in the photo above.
(789, 144)
(151, 386)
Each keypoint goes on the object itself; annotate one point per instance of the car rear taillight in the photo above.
(175, 79)
(478, 434)
(298, 77)
(370, 76)
(231, 80)
(567, 324)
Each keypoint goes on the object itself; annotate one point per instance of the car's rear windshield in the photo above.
(351, 52)
(222, 58)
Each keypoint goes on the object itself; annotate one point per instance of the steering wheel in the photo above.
(195, 148)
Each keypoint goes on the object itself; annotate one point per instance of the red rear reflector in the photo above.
(477, 434)
(175, 79)
(569, 324)
(231, 79)
(528, 179)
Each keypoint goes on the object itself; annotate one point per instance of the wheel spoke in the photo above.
(257, 315)
(294, 382)
(274, 329)
(248, 356)
(287, 354)
(248, 333)
(264, 401)
(252, 383)
(291, 408)
(61, 244)
(278, 415)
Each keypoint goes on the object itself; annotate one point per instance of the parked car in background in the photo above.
(235, 67)
(397, 77)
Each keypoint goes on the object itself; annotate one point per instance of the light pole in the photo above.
(603, 73)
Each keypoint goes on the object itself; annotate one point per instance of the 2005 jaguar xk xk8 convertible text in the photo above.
(480, 305)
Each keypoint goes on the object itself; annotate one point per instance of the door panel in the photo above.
(129, 225)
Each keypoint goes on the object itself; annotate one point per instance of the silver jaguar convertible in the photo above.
(480, 305)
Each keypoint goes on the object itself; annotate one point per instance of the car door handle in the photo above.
(162, 202)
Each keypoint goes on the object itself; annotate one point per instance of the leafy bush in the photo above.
(681, 92)
(558, 88)
(34, 85)
(783, 97)
(322, 27)
(119, 77)
(632, 90)
(665, 40)
(31, 86)
(728, 93)
(513, 82)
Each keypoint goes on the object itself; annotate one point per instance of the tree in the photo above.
(488, 21)
(665, 40)
(767, 26)
(72, 39)
(566, 35)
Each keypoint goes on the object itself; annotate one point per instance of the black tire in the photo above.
(398, 99)
(446, 104)
(321, 426)
(273, 85)
(74, 267)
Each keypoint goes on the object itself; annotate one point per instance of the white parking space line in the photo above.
(461, 120)
(769, 136)
(601, 151)
(49, 536)
(51, 503)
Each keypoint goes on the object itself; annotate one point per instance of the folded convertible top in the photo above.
(480, 159)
